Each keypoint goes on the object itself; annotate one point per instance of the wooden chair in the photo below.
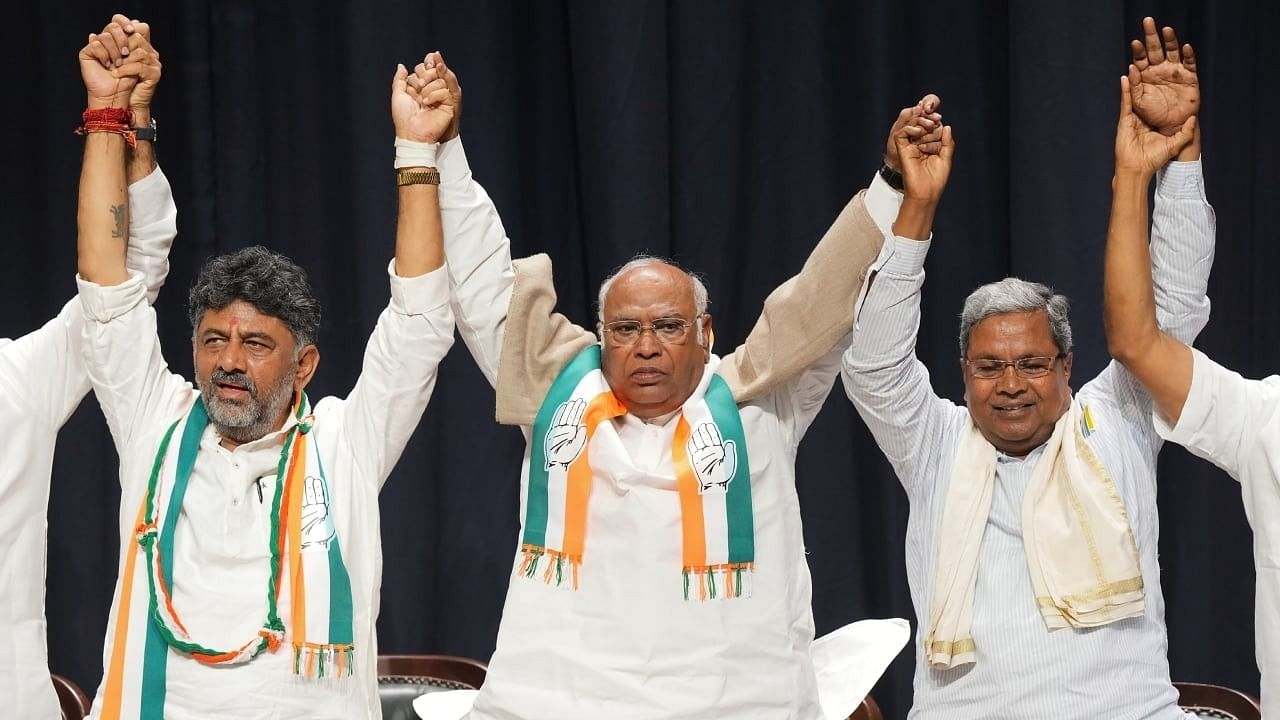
(868, 710)
(402, 678)
(75, 704)
(1215, 701)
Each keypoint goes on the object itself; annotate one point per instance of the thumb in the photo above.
(398, 82)
(1126, 100)
(1185, 134)
(948, 144)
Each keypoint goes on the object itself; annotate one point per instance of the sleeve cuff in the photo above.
(1196, 408)
(451, 162)
(418, 295)
(105, 303)
(1181, 181)
(882, 203)
(149, 199)
(907, 256)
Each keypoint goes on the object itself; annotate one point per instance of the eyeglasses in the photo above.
(667, 330)
(1027, 367)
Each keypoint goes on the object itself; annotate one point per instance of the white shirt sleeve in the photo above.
(153, 224)
(802, 397)
(479, 258)
(128, 371)
(1222, 415)
(887, 383)
(46, 367)
(400, 368)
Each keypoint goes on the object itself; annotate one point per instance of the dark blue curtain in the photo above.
(726, 134)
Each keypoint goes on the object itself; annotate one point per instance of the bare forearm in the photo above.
(915, 218)
(1191, 152)
(103, 211)
(419, 236)
(1129, 301)
(142, 158)
(1161, 363)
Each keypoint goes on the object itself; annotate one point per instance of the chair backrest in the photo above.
(868, 710)
(1215, 701)
(75, 704)
(402, 678)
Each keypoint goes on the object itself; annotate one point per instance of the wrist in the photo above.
(1126, 175)
(415, 153)
(891, 175)
(141, 115)
(920, 202)
(915, 218)
(97, 103)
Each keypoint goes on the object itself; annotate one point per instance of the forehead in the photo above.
(650, 290)
(1013, 335)
(241, 316)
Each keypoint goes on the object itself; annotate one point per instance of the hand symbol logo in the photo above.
(567, 435)
(715, 460)
(317, 527)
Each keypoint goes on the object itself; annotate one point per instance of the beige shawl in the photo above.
(1080, 548)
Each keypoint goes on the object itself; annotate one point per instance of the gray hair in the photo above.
(1014, 295)
(267, 280)
(700, 298)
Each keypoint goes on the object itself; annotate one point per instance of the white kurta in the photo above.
(1235, 424)
(221, 556)
(627, 646)
(1023, 671)
(42, 380)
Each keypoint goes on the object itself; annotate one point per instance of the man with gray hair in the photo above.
(1033, 530)
(660, 570)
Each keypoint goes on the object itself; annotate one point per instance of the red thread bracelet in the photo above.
(111, 120)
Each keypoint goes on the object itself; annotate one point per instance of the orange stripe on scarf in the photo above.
(578, 484)
(691, 518)
(298, 586)
(115, 673)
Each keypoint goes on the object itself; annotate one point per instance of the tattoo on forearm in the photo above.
(117, 211)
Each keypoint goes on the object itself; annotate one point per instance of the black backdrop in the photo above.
(726, 134)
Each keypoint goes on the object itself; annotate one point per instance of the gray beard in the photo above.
(252, 419)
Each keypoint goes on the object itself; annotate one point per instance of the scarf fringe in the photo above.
(314, 661)
(724, 581)
(558, 569)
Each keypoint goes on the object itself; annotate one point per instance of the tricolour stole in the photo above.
(148, 630)
(709, 452)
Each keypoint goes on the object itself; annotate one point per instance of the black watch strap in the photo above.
(146, 133)
(891, 176)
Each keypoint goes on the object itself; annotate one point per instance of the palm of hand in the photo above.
(1146, 149)
(1168, 94)
(416, 121)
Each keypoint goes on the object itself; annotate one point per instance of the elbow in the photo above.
(1127, 347)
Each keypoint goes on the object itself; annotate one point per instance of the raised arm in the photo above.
(122, 352)
(797, 342)
(102, 216)
(490, 293)
(46, 367)
(1152, 347)
(416, 330)
(882, 376)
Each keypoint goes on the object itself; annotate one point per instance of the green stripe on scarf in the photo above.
(341, 608)
(156, 656)
(535, 520)
(724, 410)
